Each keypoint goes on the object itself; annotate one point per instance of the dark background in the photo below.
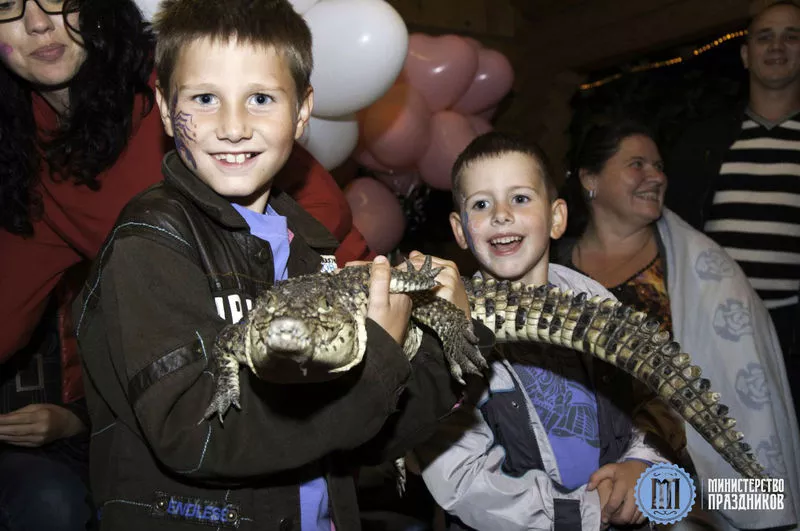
(667, 99)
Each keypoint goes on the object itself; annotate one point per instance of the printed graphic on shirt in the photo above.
(565, 407)
(557, 384)
(231, 307)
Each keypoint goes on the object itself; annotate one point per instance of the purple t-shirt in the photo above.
(557, 384)
(271, 227)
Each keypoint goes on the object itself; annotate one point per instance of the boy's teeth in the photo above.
(506, 239)
(232, 158)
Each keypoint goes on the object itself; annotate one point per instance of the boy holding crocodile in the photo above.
(186, 261)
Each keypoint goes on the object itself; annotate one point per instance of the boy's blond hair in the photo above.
(268, 23)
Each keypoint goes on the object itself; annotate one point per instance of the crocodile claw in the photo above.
(463, 356)
(222, 401)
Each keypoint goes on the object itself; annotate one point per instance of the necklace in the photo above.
(618, 263)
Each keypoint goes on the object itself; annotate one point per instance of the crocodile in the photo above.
(318, 320)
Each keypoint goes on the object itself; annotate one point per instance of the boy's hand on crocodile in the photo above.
(452, 286)
(390, 310)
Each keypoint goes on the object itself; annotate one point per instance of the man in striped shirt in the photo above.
(738, 179)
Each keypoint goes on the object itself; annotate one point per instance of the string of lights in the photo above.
(668, 62)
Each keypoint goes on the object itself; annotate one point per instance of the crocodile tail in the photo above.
(619, 335)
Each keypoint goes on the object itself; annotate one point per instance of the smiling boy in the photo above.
(547, 444)
(203, 103)
(187, 259)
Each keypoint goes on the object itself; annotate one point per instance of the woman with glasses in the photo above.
(78, 139)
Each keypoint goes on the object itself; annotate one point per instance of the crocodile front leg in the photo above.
(455, 331)
(228, 354)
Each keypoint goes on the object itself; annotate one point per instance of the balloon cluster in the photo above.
(445, 96)
(359, 47)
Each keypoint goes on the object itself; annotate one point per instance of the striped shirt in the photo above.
(755, 214)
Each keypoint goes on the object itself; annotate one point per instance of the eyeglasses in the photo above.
(11, 10)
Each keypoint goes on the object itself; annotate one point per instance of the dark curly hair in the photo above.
(119, 61)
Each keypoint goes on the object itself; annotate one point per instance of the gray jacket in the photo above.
(491, 483)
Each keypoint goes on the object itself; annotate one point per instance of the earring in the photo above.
(591, 193)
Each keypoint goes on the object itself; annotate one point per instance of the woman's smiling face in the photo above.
(632, 183)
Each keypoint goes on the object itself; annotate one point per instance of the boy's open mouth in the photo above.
(505, 244)
(234, 158)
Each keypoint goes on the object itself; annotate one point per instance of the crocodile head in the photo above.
(291, 327)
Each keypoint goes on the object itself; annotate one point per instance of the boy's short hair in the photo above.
(496, 144)
(268, 23)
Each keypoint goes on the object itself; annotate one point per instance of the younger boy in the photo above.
(187, 258)
(547, 445)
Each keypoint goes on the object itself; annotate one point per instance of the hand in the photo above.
(620, 506)
(604, 489)
(354, 263)
(390, 310)
(38, 424)
(452, 287)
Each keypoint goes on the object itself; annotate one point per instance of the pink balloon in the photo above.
(492, 81)
(365, 158)
(400, 183)
(450, 134)
(475, 43)
(441, 68)
(488, 114)
(396, 128)
(479, 125)
(377, 213)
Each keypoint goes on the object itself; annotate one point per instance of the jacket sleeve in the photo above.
(461, 466)
(430, 396)
(154, 316)
(311, 186)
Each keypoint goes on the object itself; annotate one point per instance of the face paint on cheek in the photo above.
(467, 233)
(5, 49)
(183, 129)
(469, 229)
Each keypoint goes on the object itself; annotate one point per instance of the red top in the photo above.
(77, 220)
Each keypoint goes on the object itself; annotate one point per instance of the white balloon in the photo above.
(359, 50)
(148, 8)
(301, 6)
(332, 140)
